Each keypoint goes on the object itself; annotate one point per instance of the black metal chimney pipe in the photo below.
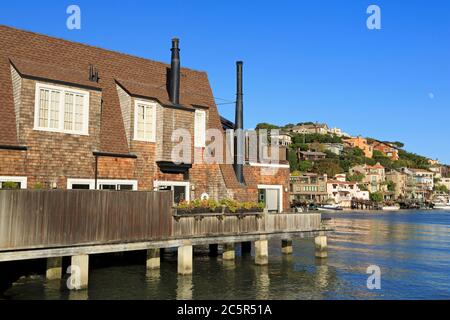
(174, 82)
(239, 125)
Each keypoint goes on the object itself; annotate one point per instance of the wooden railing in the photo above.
(57, 218)
(32, 219)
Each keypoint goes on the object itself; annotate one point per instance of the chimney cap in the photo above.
(175, 42)
(240, 62)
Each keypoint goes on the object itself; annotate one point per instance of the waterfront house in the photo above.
(444, 182)
(343, 192)
(399, 179)
(73, 116)
(374, 176)
(361, 143)
(419, 184)
(389, 150)
(308, 187)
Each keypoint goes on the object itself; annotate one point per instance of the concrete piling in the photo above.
(153, 259)
(54, 268)
(185, 254)
(261, 252)
(228, 251)
(321, 246)
(286, 247)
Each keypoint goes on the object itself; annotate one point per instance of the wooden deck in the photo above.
(36, 223)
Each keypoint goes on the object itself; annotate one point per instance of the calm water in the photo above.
(412, 248)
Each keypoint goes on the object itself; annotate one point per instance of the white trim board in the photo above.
(91, 182)
(22, 180)
(159, 183)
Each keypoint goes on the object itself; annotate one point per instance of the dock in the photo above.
(52, 224)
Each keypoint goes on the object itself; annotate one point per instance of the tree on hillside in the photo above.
(327, 166)
(357, 177)
(293, 161)
(267, 126)
(376, 197)
(305, 166)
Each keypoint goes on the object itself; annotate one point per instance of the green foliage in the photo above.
(413, 160)
(390, 185)
(441, 188)
(362, 187)
(9, 185)
(267, 126)
(299, 138)
(357, 177)
(38, 186)
(293, 161)
(212, 205)
(376, 197)
(327, 166)
(305, 166)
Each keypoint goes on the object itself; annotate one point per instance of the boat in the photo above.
(390, 208)
(330, 207)
(442, 206)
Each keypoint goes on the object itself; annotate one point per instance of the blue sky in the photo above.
(303, 60)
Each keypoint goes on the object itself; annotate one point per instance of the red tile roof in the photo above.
(68, 61)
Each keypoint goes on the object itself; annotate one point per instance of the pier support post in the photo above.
(79, 278)
(228, 251)
(261, 252)
(153, 259)
(286, 246)
(246, 247)
(213, 250)
(54, 268)
(321, 246)
(185, 259)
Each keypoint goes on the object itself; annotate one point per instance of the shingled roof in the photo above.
(40, 56)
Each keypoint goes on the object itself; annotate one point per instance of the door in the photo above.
(270, 196)
(272, 200)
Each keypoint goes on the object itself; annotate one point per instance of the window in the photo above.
(61, 109)
(13, 183)
(200, 129)
(145, 121)
(180, 189)
(102, 184)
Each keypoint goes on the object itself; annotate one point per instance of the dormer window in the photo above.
(61, 109)
(145, 121)
(200, 129)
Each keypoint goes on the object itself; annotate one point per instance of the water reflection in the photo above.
(262, 282)
(184, 287)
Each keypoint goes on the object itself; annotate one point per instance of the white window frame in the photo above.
(201, 142)
(91, 183)
(159, 183)
(62, 90)
(22, 180)
(280, 194)
(154, 106)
